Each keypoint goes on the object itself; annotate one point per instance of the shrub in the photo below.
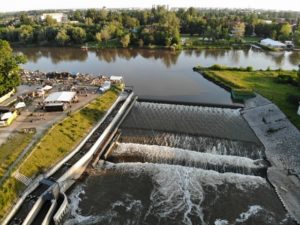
(217, 67)
(286, 79)
(293, 99)
(249, 68)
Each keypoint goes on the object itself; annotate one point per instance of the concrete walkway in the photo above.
(282, 145)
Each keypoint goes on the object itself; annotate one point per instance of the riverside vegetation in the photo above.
(280, 86)
(156, 27)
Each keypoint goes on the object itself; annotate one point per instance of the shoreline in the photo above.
(90, 46)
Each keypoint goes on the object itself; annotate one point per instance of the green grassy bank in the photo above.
(278, 86)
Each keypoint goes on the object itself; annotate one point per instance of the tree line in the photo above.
(156, 26)
(9, 68)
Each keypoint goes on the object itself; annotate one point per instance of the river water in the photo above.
(177, 164)
(158, 74)
(173, 164)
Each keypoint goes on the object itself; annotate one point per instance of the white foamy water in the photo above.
(77, 218)
(195, 143)
(177, 172)
(168, 155)
(253, 210)
(178, 192)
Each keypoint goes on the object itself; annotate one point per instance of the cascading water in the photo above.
(178, 164)
(129, 152)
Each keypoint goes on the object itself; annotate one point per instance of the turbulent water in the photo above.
(175, 173)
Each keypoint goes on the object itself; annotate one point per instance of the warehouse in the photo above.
(59, 101)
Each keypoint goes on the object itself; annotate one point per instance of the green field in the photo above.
(12, 148)
(264, 83)
(60, 140)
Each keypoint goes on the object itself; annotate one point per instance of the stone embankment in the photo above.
(281, 140)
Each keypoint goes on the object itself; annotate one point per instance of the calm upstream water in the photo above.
(158, 74)
(173, 164)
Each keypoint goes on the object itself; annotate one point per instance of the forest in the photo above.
(158, 26)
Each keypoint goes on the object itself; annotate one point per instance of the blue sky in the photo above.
(18, 5)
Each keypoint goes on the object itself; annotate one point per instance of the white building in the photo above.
(105, 87)
(58, 101)
(59, 17)
(272, 43)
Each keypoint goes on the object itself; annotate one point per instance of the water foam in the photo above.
(76, 217)
(194, 143)
(253, 210)
(178, 192)
(103, 217)
(168, 155)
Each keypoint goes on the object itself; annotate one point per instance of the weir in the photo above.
(175, 163)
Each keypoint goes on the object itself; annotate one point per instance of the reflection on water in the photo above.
(168, 58)
(158, 74)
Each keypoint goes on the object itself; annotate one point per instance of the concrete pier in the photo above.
(281, 140)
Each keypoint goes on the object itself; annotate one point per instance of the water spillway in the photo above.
(179, 164)
(193, 120)
(129, 152)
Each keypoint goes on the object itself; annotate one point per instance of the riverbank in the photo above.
(115, 44)
(272, 84)
(57, 142)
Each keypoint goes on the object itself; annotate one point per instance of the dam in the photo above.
(155, 162)
(175, 163)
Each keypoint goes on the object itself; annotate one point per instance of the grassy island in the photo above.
(279, 86)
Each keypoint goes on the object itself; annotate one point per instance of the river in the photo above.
(158, 74)
(173, 164)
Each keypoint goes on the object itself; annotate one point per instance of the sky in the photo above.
(24, 5)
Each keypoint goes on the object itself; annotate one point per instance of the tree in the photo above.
(78, 35)
(25, 33)
(62, 37)
(25, 19)
(105, 35)
(88, 21)
(9, 68)
(49, 21)
(238, 31)
(125, 40)
(98, 37)
(285, 31)
(297, 37)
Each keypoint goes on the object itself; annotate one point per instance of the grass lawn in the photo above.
(250, 39)
(64, 136)
(12, 148)
(264, 83)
